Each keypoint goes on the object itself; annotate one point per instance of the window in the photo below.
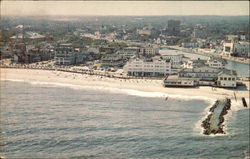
(221, 78)
(229, 78)
(233, 79)
(225, 78)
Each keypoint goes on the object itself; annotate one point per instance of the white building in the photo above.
(147, 67)
(215, 63)
(212, 77)
(231, 48)
(68, 57)
(176, 60)
(175, 81)
(227, 79)
(205, 72)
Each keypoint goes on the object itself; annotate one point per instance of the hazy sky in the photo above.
(124, 8)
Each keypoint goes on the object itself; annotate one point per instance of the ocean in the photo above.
(42, 120)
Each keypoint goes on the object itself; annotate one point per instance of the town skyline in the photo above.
(124, 8)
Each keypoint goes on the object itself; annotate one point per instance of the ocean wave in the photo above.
(13, 80)
(118, 90)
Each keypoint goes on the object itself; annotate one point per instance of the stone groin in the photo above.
(214, 122)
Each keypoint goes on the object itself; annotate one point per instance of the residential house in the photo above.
(112, 60)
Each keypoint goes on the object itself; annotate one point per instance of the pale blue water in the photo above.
(50, 121)
(241, 69)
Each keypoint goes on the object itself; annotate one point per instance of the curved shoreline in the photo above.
(145, 85)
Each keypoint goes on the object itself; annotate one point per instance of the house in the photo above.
(227, 79)
(112, 60)
(216, 63)
(128, 52)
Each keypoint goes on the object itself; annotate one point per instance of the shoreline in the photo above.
(187, 50)
(152, 87)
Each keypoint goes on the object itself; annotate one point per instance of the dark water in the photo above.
(241, 69)
(50, 121)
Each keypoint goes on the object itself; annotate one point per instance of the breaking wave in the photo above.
(132, 92)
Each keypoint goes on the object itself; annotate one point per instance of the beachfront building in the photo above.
(176, 81)
(148, 67)
(227, 79)
(204, 76)
(68, 56)
(128, 52)
(112, 60)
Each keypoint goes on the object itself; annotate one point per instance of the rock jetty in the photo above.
(213, 124)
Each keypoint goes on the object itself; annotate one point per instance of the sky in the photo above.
(129, 8)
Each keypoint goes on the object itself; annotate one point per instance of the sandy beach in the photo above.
(148, 86)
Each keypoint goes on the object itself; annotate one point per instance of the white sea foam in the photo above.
(117, 90)
(14, 80)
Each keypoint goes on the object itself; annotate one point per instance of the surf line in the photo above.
(213, 123)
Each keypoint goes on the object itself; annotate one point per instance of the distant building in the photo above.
(173, 27)
(199, 33)
(108, 50)
(189, 44)
(149, 51)
(143, 32)
(28, 36)
(147, 67)
(239, 48)
(233, 38)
